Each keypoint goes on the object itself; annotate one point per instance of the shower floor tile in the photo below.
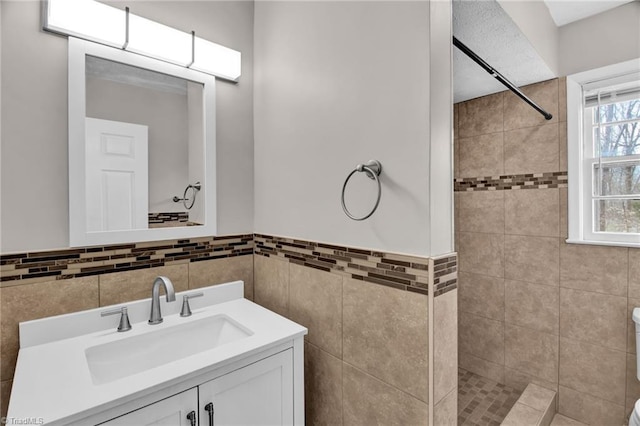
(483, 402)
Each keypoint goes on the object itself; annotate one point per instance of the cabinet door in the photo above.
(171, 411)
(259, 394)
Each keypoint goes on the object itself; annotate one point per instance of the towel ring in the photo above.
(196, 187)
(372, 168)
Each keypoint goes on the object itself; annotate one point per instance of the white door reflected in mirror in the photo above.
(117, 175)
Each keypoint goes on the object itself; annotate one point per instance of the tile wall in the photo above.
(367, 352)
(366, 358)
(533, 308)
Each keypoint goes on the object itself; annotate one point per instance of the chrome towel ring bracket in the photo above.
(195, 188)
(372, 169)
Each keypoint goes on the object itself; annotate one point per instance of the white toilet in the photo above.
(634, 420)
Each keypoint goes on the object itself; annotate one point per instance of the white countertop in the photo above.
(53, 382)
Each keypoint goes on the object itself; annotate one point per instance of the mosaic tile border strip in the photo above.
(25, 268)
(512, 182)
(445, 274)
(394, 270)
(162, 217)
(410, 273)
(169, 220)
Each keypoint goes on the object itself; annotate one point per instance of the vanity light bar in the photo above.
(98, 22)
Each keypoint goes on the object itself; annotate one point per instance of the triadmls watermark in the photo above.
(21, 420)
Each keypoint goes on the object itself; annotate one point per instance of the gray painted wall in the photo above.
(608, 38)
(34, 182)
(337, 84)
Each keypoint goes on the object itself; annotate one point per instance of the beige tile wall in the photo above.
(533, 308)
(445, 356)
(366, 354)
(367, 351)
(37, 300)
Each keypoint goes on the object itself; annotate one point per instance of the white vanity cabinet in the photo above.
(172, 411)
(257, 394)
(244, 360)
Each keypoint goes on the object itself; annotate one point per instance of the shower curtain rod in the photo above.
(495, 74)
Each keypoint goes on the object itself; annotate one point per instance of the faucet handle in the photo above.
(124, 325)
(186, 309)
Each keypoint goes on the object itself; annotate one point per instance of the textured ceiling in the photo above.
(486, 29)
(564, 12)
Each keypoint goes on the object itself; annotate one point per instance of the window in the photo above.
(604, 155)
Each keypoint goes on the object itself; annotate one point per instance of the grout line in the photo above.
(503, 131)
(545, 123)
(476, 273)
(289, 290)
(626, 369)
(628, 273)
(431, 342)
(626, 334)
(557, 285)
(481, 316)
(591, 396)
(342, 350)
(485, 360)
(504, 264)
(342, 317)
(536, 236)
(559, 309)
(410, 395)
(189, 276)
(590, 343)
(591, 291)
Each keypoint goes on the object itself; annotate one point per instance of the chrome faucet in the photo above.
(156, 316)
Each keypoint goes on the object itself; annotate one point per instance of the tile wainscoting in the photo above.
(367, 352)
(393, 270)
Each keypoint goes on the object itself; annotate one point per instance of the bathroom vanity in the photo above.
(230, 362)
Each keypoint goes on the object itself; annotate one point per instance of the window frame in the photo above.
(580, 165)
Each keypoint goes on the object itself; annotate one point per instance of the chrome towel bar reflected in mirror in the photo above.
(195, 188)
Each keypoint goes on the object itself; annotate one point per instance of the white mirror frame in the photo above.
(78, 235)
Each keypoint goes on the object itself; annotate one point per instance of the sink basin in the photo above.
(135, 354)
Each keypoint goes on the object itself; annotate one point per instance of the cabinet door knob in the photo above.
(192, 418)
(209, 408)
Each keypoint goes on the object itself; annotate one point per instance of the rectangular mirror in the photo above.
(141, 148)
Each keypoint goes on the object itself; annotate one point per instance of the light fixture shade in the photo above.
(211, 56)
(159, 41)
(87, 19)
(98, 22)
